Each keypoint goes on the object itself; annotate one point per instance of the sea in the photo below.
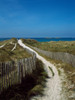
(44, 39)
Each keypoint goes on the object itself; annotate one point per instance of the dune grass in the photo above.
(51, 71)
(14, 40)
(6, 53)
(57, 62)
(59, 46)
(31, 85)
(68, 69)
(30, 41)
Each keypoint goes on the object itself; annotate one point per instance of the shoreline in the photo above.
(43, 39)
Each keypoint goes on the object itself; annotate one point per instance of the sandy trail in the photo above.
(14, 47)
(2, 46)
(53, 86)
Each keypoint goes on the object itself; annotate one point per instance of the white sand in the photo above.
(53, 86)
(2, 46)
(14, 47)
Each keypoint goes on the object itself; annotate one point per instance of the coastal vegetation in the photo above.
(69, 79)
(34, 83)
(59, 46)
(12, 51)
(14, 40)
(51, 71)
(68, 69)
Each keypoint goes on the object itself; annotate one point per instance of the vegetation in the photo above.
(32, 85)
(64, 47)
(6, 53)
(51, 71)
(59, 46)
(68, 69)
(30, 41)
(13, 40)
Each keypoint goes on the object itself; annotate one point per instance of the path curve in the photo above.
(53, 86)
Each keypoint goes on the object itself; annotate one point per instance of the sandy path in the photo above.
(2, 46)
(53, 86)
(14, 47)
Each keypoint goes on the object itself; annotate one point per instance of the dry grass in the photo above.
(51, 71)
(59, 46)
(14, 40)
(6, 53)
(68, 69)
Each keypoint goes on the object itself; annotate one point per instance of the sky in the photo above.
(37, 18)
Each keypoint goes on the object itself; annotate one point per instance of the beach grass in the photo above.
(68, 69)
(51, 71)
(14, 40)
(6, 53)
(59, 46)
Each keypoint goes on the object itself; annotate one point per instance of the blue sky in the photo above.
(37, 18)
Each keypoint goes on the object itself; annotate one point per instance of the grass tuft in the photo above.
(51, 71)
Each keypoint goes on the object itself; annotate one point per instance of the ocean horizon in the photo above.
(44, 39)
